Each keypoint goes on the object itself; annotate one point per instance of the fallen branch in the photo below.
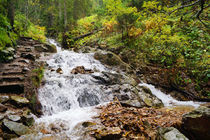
(85, 35)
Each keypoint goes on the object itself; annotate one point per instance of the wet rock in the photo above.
(40, 48)
(81, 70)
(85, 49)
(146, 90)
(63, 103)
(28, 120)
(111, 59)
(129, 80)
(19, 100)
(59, 70)
(197, 123)
(3, 108)
(51, 48)
(42, 137)
(122, 97)
(87, 124)
(4, 98)
(170, 133)
(9, 136)
(88, 99)
(14, 118)
(147, 97)
(18, 128)
(113, 78)
(45, 48)
(1, 117)
(132, 103)
(113, 133)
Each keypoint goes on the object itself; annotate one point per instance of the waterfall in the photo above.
(67, 97)
(70, 99)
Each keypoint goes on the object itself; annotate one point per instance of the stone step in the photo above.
(9, 78)
(16, 88)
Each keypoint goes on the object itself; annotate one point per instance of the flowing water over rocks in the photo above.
(70, 98)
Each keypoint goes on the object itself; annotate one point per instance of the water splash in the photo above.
(67, 97)
(167, 99)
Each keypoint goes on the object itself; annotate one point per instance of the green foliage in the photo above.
(23, 27)
(175, 42)
(21, 24)
(87, 24)
(7, 40)
(37, 75)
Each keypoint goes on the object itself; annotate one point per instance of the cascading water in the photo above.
(167, 99)
(70, 99)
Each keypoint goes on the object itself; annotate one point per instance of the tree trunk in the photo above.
(65, 16)
(60, 10)
(11, 11)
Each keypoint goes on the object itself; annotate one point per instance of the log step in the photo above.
(11, 79)
(16, 88)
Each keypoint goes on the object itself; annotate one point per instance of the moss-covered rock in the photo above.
(17, 128)
(145, 95)
(170, 133)
(197, 122)
(111, 59)
(45, 48)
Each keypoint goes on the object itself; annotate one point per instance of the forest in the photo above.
(169, 34)
(162, 42)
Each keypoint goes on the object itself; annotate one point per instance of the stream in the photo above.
(70, 99)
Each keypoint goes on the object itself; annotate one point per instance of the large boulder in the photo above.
(18, 100)
(145, 95)
(4, 98)
(197, 123)
(113, 133)
(111, 59)
(88, 99)
(17, 128)
(45, 48)
(3, 108)
(170, 133)
(108, 78)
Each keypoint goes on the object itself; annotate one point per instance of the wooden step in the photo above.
(16, 88)
(9, 78)
(12, 72)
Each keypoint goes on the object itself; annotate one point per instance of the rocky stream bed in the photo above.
(89, 94)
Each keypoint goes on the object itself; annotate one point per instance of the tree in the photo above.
(11, 11)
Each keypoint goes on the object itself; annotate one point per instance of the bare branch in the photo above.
(202, 2)
(183, 6)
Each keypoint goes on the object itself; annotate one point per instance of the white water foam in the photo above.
(67, 97)
(167, 99)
